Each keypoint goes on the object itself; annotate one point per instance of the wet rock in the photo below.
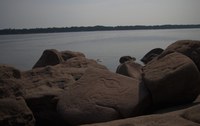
(49, 57)
(190, 48)
(14, 112)
(172, 79)
(100, 95)
(130, 69)
(151, 55)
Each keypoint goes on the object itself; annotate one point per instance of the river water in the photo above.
(23, 51)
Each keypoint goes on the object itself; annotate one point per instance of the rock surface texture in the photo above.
(172, 79)
(130, 69)
(66, 89)
(102, 96)
(190, 48)
(186, 117)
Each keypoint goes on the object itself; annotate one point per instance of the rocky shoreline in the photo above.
(66, 89)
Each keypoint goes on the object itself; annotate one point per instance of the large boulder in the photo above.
(130, 69)
(185, 117)
(190, 48)
(14, 112)
(43, 86)
(49, 57)
(172, 79)
(100, 95)
(151, 55)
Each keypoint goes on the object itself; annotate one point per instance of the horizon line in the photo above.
(95, 26)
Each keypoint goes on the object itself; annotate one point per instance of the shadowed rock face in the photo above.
(151, 55)
(190, 48)
(14, 112)
(130, 69)
(102, 96)
(123, 59)
(172, 79)
(49, 57)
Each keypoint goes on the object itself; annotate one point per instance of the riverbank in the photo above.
(94, 28)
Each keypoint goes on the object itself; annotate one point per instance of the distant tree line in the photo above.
(93, 28)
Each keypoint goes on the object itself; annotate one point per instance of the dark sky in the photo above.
(62, 13)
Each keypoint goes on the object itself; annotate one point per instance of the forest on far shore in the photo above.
(93, 28)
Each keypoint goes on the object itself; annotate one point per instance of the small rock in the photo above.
(130, 69)
(151, 55)
(123, 59)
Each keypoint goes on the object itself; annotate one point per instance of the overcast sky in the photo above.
(66, 13)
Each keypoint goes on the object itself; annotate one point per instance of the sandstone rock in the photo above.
(192, 114)
(186, 117)
(10, 82)
(43, 86)
(82, 62)
(130, 69)
(151, 54)
(14, 112)
(49, 57)
(190, 48)
(172, 79)
(7, 72)
(123, 59)
(50, 76)
(11, 88)
(69, 54)
(100, 95)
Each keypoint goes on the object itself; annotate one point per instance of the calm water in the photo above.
(22, 51)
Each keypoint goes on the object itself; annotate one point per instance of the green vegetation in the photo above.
(93, 28)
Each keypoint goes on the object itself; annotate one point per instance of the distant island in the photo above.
(93, 28)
